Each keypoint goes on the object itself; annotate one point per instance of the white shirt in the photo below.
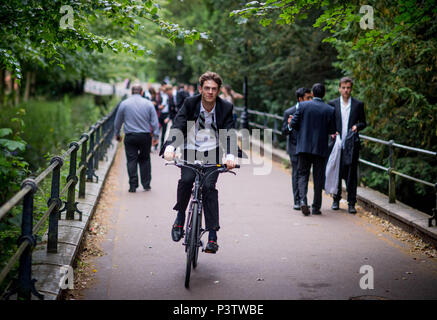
(345, 112)
(206, 139)
(165, 103)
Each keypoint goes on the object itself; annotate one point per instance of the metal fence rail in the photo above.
(99, 137)
(391, 144)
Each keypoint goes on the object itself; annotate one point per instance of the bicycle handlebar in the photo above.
(199, 165)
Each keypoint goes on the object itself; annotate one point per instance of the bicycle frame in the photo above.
(194, 230)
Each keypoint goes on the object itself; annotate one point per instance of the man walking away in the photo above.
(140, 121)
(302, 94)
(314, 121)
(349, 118)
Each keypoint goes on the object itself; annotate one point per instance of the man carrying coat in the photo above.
(314, 122)
(349, 118)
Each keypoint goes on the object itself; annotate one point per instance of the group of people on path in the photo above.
(313, 127)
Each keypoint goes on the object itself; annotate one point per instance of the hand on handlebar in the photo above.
(169, 156)
(230, 164)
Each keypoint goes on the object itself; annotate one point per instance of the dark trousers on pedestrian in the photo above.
(294, 178)
(161, 120)
(350, 174)
(137, 147)
(209, 191)
(318, 163)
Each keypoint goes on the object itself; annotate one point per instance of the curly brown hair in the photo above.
(346, 80)
(210, 76)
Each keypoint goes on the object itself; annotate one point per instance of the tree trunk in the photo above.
(2, 85)
(16, 92)
(27, 88)
(33, 84)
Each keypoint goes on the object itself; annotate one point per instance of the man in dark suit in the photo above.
(198, 121)
(302, 94)
(314, 121)
(181, 95)
(349, 116)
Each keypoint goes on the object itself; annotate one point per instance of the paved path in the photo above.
(267, 250)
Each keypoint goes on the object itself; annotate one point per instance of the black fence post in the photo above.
(97, 143)
(275, 128)
(244, 119)
(71, 204)
(102, 149)
(434, 211)
(82, 173)
(90, 171)
(26, 285)
(52, 243)
(392, 177)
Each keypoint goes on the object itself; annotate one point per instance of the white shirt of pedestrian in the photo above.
(165, 103)
(345, 112)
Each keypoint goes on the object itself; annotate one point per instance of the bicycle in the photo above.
(193, 227)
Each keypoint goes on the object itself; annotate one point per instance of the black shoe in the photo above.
(211, 247)
(335, 205)
(132, 189)
(352, 209)
(147, 188)
(177, 232)
(316, 211)
(296, 207)
(304, 208)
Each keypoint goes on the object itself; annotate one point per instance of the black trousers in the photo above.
(137, 147)
(318, 163)
(209, 191)
(350, 175)
(294, 177)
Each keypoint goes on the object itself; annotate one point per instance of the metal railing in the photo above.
(266, 118)
(389, 170)
(100, 138)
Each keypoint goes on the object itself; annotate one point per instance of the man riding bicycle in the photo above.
(202, 120)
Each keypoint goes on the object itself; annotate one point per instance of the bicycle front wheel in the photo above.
(197, 230)
(192, 245)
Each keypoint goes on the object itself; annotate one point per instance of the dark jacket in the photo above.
(351, 145)
(356, 117)
(189, 113)
(181, 95)
(314, 121)
(290, 134)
